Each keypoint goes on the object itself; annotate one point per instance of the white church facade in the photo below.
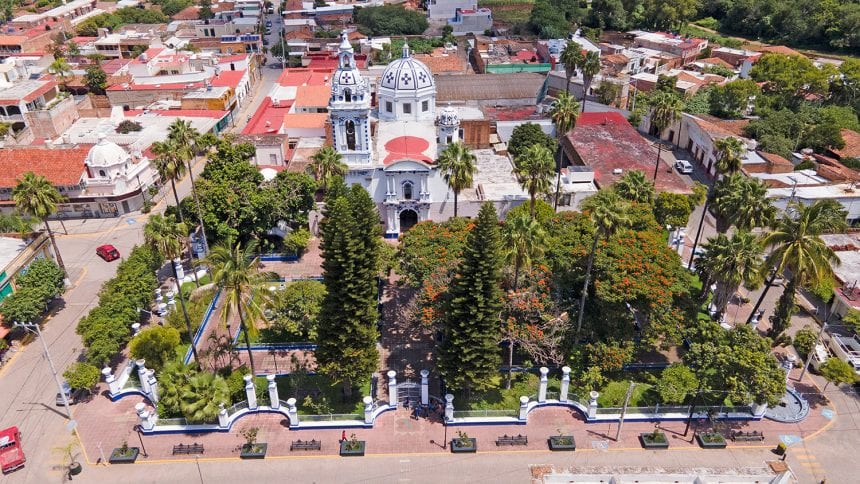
(396, 165)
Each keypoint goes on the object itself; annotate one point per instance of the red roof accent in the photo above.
(606, 142)
(266, 112)
(852, 144)
(112, 66)
(45, 89)
(301, 77)
(233, 58)
(227, 79)
(406, 147)
(62, 167)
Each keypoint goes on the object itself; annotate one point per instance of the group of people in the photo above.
(424, 411)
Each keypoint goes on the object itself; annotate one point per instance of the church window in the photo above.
(407, 108)
(350, 135)
(407, 191)
(388, 107)
(449, 139)
(425, 106)
(347, 94)
(102, 174)
(460, 134)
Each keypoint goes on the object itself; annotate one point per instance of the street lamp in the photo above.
(137, 428)
(34, 328)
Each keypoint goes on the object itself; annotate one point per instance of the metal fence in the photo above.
(237, 407)
(172, 421)
(485, 413)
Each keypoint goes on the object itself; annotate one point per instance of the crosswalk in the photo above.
(809, 465)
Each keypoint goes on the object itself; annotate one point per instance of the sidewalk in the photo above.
(111, 423)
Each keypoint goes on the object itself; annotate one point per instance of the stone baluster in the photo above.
(112, 383)
(223, 418)
(592, 404)
(392, 388)
(565, 383)
(180, 272)
(153, 386)
(425, 387)
(135, 328)
(292, 412)
(146, 422)
(368, 410)
(251, 392)
(142, 375)
(543, 383)
(524, 407)
(449, 407)
(273, 392)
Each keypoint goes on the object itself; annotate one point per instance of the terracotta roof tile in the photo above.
(716, 61)
(305, 120)
(852, 144)
(725, 127)
(312, 96)
(189, 13)
(60, 166)
(779, 49)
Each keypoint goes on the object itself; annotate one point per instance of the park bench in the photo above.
(194, 448)
(753, 436)
(518, 440)
(306, 445)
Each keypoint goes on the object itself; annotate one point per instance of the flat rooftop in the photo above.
(155, 126)
(495, 179)
(487, 87)
(10, 247)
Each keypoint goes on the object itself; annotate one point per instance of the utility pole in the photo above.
(624, 410)
(38, 332)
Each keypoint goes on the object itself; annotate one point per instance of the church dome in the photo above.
(106, 153)
(406, 74)
(449, 117)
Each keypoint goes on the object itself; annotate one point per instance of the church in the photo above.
(391, 148)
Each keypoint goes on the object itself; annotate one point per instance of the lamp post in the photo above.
(34, 328)
(138, 429)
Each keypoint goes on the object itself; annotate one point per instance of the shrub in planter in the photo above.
(252, 449)
(654, 440)
(711, 440)
(352, 447)
(562, 442)
(463, 443)
(124, 454)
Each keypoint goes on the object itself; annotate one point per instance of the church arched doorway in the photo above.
(408, 218)
(350, 135)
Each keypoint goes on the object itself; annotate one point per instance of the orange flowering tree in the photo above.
(530, 319)
(429, 247)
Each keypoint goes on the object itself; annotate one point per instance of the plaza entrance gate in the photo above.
(408, 390)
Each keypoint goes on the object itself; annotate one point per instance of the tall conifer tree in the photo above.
(347, 323)
(469, 357)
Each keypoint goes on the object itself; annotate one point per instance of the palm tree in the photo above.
(61, 69)
(35, 196)
(524, 240)
(608, 213)
(571, 57)
(634, 187)
(533, 169)
(741, 201)
(457, 164)
(563, 113)
(730, 262)
(590, 67)
(327, 164)
(797, 248)
(235, 269)
(182, 134)
(168, 237)
(729, 151)
(665, 110)
(170, 166)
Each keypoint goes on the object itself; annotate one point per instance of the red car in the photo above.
(107, 252)
(11, 453)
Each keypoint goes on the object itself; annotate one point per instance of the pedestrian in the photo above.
(343, 436)
(406, 403)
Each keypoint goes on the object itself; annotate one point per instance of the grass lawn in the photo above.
(324, 397)
(509, 11)
(612, 395)
(190, 286)
(524, 384)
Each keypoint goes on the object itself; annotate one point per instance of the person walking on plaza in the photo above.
(343, 436)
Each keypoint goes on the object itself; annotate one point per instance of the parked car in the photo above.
(684, 166)
(73, 395)
(11, 452)
(107, 252)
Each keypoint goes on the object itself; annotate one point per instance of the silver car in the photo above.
(684, 166)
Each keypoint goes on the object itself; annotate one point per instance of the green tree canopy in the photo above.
(528, 134)
(82, 375)
(157, 345)
(676, 384)
(390, 20)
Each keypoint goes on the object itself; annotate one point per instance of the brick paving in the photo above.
(309, 265)
(111, 423)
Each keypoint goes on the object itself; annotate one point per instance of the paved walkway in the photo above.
(109, 424)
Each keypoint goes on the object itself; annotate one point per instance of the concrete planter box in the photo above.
(256, 451)
(356, 451)
(711, 441)
(562, 443)
(650, 440)
(458, 448)
(117, 456)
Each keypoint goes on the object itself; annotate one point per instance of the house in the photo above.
(447, 9)
(471, 21)
(697, 134)
(35, 104)
(687, 48)
(272, 150)
(17, 252)
(607, 144)
(851, 148)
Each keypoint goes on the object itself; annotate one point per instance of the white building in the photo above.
(446, 9)
(398, 167)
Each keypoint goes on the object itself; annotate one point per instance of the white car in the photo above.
(684, 166)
